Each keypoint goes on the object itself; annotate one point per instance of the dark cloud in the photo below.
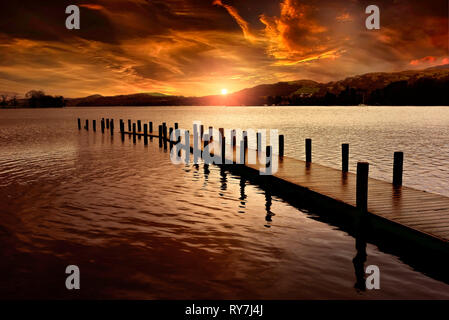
(199, 46)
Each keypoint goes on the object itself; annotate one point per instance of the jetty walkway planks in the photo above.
(419, 210)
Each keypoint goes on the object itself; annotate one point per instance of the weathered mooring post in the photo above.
(94, 125)
(308, 150)
(164, 129)
(345, 157)
(211, 133)
(151, 127)
(102, 125)
(362, 186)
(134, 132)
(107, 123)
(160, 136)
(111, 126)
(206, 141)
(398, 168)
(87, 125)
(281, 145)
(79, 124)
(223, 150)
(129, 125)
(139, 126)
(268, 159)
(145, 134)
(259, 141)
(170, 133)
(245, 140)
(242, 151)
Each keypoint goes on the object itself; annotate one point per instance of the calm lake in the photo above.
(141, 227)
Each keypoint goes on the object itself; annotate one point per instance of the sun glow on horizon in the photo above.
(224, 91)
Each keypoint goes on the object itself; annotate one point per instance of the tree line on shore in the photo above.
(33, 99)
(422, 92)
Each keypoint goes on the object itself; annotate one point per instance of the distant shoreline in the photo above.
(255, 106)
(22, 107)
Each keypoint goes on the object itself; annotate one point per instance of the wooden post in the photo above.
(107, 123)
(268, 159)
(129, 125)
(281, 145)
(308, 150)
(134, 132)
(176, 126)
(111, 125)
(170, 132)
(102, 125)
(145, 134)
(398, 168)
(122, 126)
(164, 135)
(201, 132)
(345, 157)
(206, 141)
(221, 130)
(94, 125)
(79, 124)
(139, 126)
(87, 125)
(242, 151)
(259, 141)
(245, 140)
(362, 186)
(211, 133)
(234, 138)
(160, 136)
(223, 150)
(151, 127)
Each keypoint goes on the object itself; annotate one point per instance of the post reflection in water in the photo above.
(242, 191)
(223, 181)
(360, 257)
(243, 196)
(268, 208)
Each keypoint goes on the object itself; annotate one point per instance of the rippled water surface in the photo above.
(140, 227)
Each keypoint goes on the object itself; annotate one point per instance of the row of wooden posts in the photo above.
(362, 167)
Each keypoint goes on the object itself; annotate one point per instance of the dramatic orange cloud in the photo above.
(241, 22)
(296, 35)
(423, 60)
(344, 17)
(92, 6)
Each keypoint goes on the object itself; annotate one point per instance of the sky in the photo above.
(199, 47)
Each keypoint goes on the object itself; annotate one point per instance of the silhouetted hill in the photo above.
(412, 87)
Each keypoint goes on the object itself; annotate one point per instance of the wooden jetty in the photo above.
(398, 208)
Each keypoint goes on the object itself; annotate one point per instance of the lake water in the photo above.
(140, 227)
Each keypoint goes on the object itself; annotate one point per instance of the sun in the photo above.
(224, 91)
